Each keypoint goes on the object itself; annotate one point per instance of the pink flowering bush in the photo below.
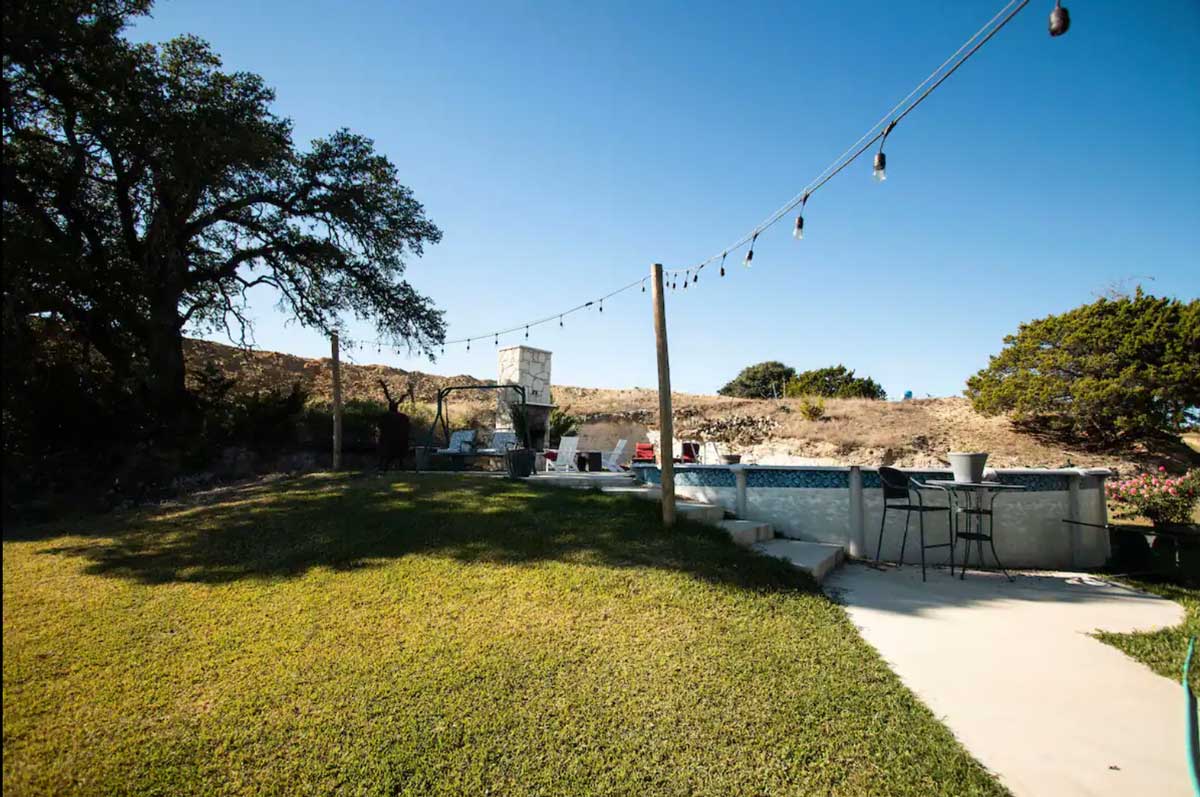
(1158, 496)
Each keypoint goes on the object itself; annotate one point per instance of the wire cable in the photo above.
(851, 154)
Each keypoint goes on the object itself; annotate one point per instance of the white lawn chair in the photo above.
(564, 459)
(612, 461)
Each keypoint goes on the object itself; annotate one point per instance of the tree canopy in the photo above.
(835, 381)
(147, 190)
(762, 380)
(1108, 371)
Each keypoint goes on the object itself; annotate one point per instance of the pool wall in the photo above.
(843, 505)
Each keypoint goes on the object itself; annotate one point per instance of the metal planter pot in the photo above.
(519, 462)
(967, 466)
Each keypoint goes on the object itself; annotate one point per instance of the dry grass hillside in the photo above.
(853, 431)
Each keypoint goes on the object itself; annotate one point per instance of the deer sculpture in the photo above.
(393, 431)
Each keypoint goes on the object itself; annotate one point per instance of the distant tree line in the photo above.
(773, 379)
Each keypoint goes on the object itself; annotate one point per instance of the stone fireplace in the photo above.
(529, 368)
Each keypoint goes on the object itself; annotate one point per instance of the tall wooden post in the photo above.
(337, 404)
(666, 456)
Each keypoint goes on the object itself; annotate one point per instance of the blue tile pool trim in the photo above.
(804, 479)
(829, 479)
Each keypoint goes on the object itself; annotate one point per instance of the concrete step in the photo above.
(701, 513)
(817, 559)
(748, 532)
(650, 493)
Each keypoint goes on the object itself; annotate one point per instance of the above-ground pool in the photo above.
(842, 505)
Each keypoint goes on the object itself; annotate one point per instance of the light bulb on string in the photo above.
(696, 278)
(560, 323)
(526, 332)
(880, 171)
(496, 342)
(723, 254)
(686, 274)
(798, 232)
(468, 344)
(750, 252)
(1060, 19)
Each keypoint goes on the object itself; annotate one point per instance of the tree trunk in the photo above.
(165, 378)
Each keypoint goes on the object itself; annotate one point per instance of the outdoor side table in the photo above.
(971, 504)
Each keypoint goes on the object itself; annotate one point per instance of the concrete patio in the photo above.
(1012, 670)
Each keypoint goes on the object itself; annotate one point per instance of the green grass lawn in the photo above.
(1163, 650)
(439, 634)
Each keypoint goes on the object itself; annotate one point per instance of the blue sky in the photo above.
(564, 147)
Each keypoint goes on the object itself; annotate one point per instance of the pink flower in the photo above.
(1162, 468)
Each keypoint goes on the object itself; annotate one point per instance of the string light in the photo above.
(496, 342)
(560, 323)
(880, 172)
(1059, 22)
(1060, 19)
(798, 232)
(526, 332)
(686, 274)
(696, 278)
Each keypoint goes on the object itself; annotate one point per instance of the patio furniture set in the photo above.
(968, 502)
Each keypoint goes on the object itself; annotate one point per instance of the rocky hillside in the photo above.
(852, 431)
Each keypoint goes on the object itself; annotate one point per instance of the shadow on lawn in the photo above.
(284, 529)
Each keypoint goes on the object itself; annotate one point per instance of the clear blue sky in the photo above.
(563, 147)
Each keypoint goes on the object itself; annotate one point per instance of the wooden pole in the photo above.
(666, 455)
(337, 404)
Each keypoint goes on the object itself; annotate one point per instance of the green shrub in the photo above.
(1108, 371)
(763, 380)
(812, 410)
(836, 381)
(562, 424)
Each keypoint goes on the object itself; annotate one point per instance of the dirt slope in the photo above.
(853, 431)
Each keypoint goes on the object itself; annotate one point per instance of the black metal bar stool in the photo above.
(897, 485)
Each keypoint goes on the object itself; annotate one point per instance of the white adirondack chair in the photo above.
(564, 461)
(612, 460)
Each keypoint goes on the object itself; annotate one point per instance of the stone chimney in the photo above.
(529, 368)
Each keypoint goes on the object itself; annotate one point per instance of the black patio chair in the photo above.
(898, 485)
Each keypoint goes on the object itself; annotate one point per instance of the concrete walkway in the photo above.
(1011, 670)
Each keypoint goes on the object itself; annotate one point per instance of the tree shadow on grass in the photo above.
(345, 522)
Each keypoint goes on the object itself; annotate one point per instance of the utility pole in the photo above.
(337, 404)
(666, 449)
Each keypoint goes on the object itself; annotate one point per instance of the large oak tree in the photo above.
(146, 190)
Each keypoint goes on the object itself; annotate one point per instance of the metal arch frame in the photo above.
(445, 420)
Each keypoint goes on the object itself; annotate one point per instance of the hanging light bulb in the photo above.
(723, 254)
(686, 274)
(560, 321)
(798, 232)
(526, 332)
(602, 305)
(496, 342)
(880, 172)
(643, 286)
(1060, 19)
(750, 252)
(468, 344)
(696, 278)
